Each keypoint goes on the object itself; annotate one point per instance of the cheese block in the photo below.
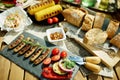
(88, 22)
(112, 28)
(95, 36)
(48, 12)
(40, 6)
(116, 40)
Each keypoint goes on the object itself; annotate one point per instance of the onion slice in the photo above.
(63, 68)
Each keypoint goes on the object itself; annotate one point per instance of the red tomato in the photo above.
(63, 54)
(47, 61)
(49, 20)
(55, 19)
(55, 51)
(55, 58)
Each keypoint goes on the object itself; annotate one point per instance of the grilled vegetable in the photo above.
(33, 9)
(48, 12)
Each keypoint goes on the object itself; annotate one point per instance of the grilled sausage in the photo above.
(42, 57)
(30, 52)
(25, 48)
(16, 42)
(20, 46)
(36, 54)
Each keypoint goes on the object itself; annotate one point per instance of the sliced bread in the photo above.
(116, 40)
(87, 22)
(99, 20)
(112, 28)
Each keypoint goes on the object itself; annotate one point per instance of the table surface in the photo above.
(10, 71)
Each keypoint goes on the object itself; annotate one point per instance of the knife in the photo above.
(88, 62)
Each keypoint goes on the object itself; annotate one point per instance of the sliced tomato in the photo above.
(63, 54)
(55, 58)
(55, 51)
(47, 61)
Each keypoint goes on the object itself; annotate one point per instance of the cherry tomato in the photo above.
(55, 51)
(47, 61)
(49, 20)
(55, 58)
(55, 19)
(63, 54)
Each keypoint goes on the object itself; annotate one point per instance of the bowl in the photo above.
(55, 34)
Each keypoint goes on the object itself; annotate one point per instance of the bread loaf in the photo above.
(99, 20)
(116, 40)
(40, 6)
(95, 36)
(87, 22)
(48, 12)
(112, 28)
(73, 16)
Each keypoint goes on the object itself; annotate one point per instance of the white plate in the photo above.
(53, 30)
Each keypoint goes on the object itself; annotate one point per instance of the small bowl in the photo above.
(53, 30)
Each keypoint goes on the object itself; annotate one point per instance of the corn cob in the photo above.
(33, 9)
(48, 12)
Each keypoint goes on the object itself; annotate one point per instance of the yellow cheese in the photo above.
(33, 9)
(48, 12)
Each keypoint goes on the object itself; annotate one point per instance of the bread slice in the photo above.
(99, 20)
(116, 40)
(95, 36)
(88, 22)
(73, 16)
(112, 28)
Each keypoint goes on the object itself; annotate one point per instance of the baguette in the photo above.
(112, 28)
(88, 22)
(40, 6)
(99, 20)
(116, 40)
(95, 36)
(16, 42)
(74, 16)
